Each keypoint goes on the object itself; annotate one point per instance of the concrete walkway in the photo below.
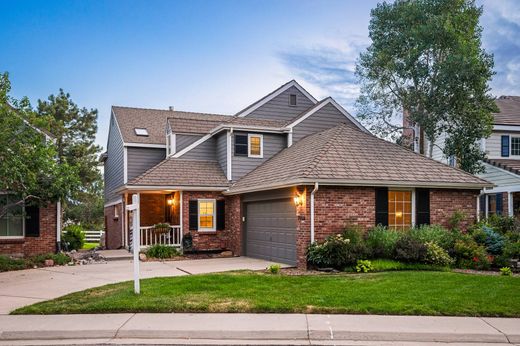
(255, 329)
(24, 287)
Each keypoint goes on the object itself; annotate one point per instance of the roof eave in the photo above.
(136, 188)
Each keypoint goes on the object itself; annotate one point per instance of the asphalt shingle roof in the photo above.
(509, 110)
(347, 155)
(178, 172)
(512, 166)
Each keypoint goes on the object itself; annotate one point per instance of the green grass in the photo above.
(384, 265)
(403, 293)
(89, 246)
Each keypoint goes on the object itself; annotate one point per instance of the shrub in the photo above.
(8, 263)
(380, 242)
(363, 266)
(471, 255)
(512, 250)
(434, 233)
(409, 249)
(506, 271)
(456, 219)
(337, 251)
(187, 241)
(59, 259)
(436, 255)
(493, 241)
(162, 251)
(274, 268)
(74, 237)
(502, 224)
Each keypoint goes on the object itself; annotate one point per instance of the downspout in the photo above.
(58, 226)
(316, 187)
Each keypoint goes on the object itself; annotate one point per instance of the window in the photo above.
(206, 214)
(292, 100)
(255, 144)
(12, 223)
(399, 209)
(170, 144)
(515, 145)
(141, 132)
(240, 145)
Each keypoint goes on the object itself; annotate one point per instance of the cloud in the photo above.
(329, 66)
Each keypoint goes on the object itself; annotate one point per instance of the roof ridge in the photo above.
(324, 149)
(171, 111)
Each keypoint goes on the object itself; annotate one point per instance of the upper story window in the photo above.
(171, 147)
(250, 145)
(515, 145)
(141, 132)
(292, 100)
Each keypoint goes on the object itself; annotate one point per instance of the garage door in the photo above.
(271, 230)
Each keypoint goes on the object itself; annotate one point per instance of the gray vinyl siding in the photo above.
(182, 141)
(325, 118)
(204, 151)
(114, 165)
(279, 109)
(437, 151)
(494, 145)
(222, 151)
(142, 159)
(498, 176)
(241, 165)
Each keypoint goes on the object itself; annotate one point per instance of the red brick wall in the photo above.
(152, 208)
(443, 203)
(30, 246)
(230, 238)
(114, 226)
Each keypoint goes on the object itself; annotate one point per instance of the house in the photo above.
(502, 165)
(29, 230)
(267, 181)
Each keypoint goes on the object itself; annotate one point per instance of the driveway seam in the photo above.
(308, 329)
(495, 328)
(124, 323)
(12, 296)
(184, 271)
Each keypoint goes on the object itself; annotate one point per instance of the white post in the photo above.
(510, 204)
(136, 244)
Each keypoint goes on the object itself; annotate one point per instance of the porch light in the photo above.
(170, 201)
(298, 200)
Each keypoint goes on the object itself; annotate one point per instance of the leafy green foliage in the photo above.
(469, 254)
(8, 263)
(59, 259)
(337, 251)
(274, 269)
(364, 266)
(383, 265)
(409, 249)
(381, 241)
(74, 237)
(436, 255)
(426, 57)
(433, 233)
(493, 241)
(506, 271)
(162, 251)
(512, 250)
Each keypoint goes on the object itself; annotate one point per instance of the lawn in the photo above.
(89, 246)
(402, 293)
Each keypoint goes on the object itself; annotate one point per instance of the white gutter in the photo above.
(58, 223)
(316, 187)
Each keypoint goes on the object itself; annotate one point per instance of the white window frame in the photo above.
(511, 145)
(141, 132)
(171, 149)
(206, 229)
(23, 226)
(249, 135)
(413, 202)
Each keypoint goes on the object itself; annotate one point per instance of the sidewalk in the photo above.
(241, 329)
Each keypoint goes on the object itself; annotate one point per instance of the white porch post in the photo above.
(136, 244)
(510, 204)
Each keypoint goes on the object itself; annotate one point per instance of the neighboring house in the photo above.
(266, 182)
(502, 166)
(30, 230)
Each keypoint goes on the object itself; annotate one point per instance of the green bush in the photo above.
(74, 237)
(59, 259)
(502, 224)
(337, 251)
(8, 263)
(434, 233)
(363, 266)
(436, 255)
(382, 265)
(274, 269)
(455, 220)
(469, 254)
(506, 271)
(493, 241)
(162, 251)
(380, 242)
(409, 249)
(512, 250)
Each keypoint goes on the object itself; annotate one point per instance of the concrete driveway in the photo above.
(24, 287)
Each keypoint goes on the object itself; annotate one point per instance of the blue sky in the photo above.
(207, 56)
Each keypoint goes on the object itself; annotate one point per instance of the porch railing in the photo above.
(149, 237)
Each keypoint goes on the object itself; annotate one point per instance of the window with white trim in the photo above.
(207, 214)
(12, 224)
(170, 144)
(255, 145)
(515, 146)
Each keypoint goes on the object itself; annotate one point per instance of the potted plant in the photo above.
(161, 228)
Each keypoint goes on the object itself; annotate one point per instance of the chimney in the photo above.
(171, 108)
(410, 132)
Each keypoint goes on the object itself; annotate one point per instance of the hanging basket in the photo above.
(161, 228)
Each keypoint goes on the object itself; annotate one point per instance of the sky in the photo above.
(206, 56)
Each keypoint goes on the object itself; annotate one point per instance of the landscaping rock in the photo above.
(49, 263)
(86, 257)
(226, 254)
(142, 257)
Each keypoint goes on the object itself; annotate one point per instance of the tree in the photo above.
(75, 129)
(29, 169)
(426, 58)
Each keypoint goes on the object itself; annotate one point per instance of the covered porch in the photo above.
(500, 201)
(160, 217)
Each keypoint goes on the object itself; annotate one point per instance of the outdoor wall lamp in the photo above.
(298, 200)
(170, 201)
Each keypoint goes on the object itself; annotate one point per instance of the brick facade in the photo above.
(31, 246)
(114, 226)
(230, 238)
(443, 203)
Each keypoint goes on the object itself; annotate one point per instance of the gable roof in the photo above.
(244, 112)
(343, 155)
(154, 120)
(512, 166)
(182, 173)
(509, 107)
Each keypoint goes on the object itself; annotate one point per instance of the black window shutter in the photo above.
(194, 215)
(32, 221)
(221, 215)
(499, 200)
(422, 206)
(382, 206)
(241, 145)
(505, 146)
